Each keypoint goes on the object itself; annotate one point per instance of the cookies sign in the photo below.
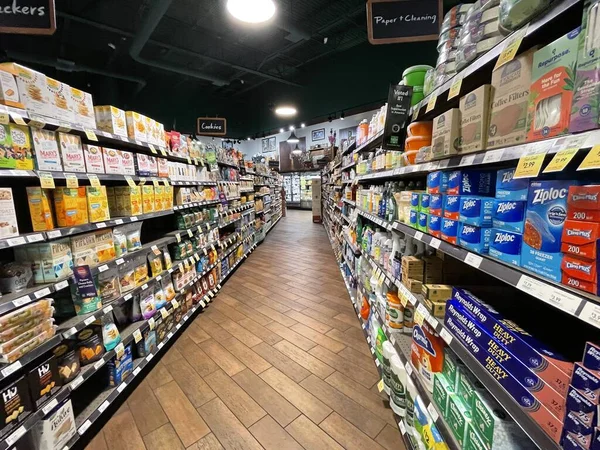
(212, 126)
(27, 16)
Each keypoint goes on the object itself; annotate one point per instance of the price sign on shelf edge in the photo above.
(561, 160)
(530, 164)
(592, 159)
(511, 47)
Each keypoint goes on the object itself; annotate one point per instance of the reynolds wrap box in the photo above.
(436, 204)
(583, 434)
(451, 207)
(551, 367)
(506, 246)
(434, 226)
(476, 211)
(569, 443)
(509, 215)
(449, 230)
(591, 357)
(583, 203)
(544, 220)
(508, 188)
(437, 182)
(472, 182)
(587, 383)
(474, 238)
(596, 442)
(578, 405)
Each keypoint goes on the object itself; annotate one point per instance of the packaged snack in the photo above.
(109, 288)
(70, 205)
(132, 233)
(136, 128)
(40, 308)
(167, 258)
(44, 381)
(159, 296)
(47, 154)
(89, 344)
(27, 346)
(11, 333)
(111, 119)
(7, 156)
(120, 368)
(147, 305)
(155, 264)
(148, 343)
(105, 245)
(9, 92)
(57, 429)
(67, 359)
(112, 161)
(140, 269)
(15, 405)
(21, 145)
(97, 204)
(129, 200)
(148, 198)
(33, 89)
(60, 98)
(83, 109)
(26, 335)
(40, 209)
(127, 163)
(127, 276)
(8, 224)
(15, 276)
(169, 290)
(72, 152)
(94, 162)
(120, 242)
(84, 305)
(110, 333)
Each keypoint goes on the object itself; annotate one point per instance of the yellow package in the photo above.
(70, 205)
(168, 197)
(159, 198)
(112, 202)
(128, 200)
(136, 126)
(21, 144)
(97, 204)
(40, 209)
(148, 198)
(105, 246)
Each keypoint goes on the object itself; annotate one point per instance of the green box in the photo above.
(442, 390)
(7, 158)
(451, 365)
(459, 418)
(466, 385)
(473, 440)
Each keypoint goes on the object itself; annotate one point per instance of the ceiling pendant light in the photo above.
(286, 111)
(293, 139)
(251, 11)
(296, 150)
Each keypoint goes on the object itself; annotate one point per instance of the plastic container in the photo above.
(420, 129)
(516, 13)
(416, 98)
(415, 75)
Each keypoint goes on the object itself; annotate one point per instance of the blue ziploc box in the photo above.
(476, 210)
(475, 239)
(415, 200)
(437, 182)
(585, 411)
(506, 246)
(472, 182)
(413, 218)
(422, 224)
(580, 432)
(544, 219)
(436, 204)
(509, 215)
(587, 383)
(424, 202)
(508, 188)
(434, 225)
(591, 357)
(449, 231)
(451, 207)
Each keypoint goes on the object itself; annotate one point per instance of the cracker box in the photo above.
(105, 245)
(94, 162)
(56, 260)
(70, 205)
(159, 198)
(422, 221)
(544, 221)
(21, 145)
(120, 368)
(474, 109)
(15, 406)
(434, 225)
(60, 97)
(44, 382)
(83, 249)
(8, 223)
(506, 246)
(47, 154)
(551, 92)
(111, 119)
(475, 239)
(9, 92)
(437, 182)
(40, 210)
(476, 210)
(451, 207)
(136, 126)
(507, 188)
(57, 429)
(445, 139)
(148, 198)
(129, 200)
(581, 407)
(436, 204)
(145, 165)
(163, 167)
(472, 182)
(127, 162)
(33, 89)
(7, 158)
(83, 109)
(591, 357)
(583, 203)
(71, 152)
(551, 367)
(97, 204)
(112, 161)
(449, 230)
(509, 215)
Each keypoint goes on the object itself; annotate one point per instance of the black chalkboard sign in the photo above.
(212, 126)
(27, 16)
(393, 21)
(397, 117)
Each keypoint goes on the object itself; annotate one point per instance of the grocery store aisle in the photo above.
(278, 361)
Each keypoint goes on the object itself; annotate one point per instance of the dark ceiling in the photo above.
(199, 61)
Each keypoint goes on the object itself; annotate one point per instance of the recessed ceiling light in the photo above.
(281, 130)
(248, 138)
(285, 111)
(251, 11)
(292, 128)
(303, 125)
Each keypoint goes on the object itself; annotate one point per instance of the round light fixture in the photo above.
(293, 139)
(303, 125)
(281, 130)
(251, 11)
(297, 150)
(292, 128)
(285, 111)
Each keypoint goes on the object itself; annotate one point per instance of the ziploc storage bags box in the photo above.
(451, 207)
(436, 204)
(509, 215)
(434, 225)
(551, 367)
(437, 182)
(544, 220)
(472, 182)
(474, 238)
(507, 188)
(506, 246)
(476, 210)
(449, 230)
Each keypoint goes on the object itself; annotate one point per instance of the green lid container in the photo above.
(415, 75)
(416, 98)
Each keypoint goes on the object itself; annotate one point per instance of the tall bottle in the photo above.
(391, 203)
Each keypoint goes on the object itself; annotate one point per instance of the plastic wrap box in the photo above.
(586, 382)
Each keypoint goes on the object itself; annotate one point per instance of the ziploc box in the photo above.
(544, 221)
(475, 239)
(506, 246)
(583, 203)
(415, 200)
(538, 412)
(422, 223)
(71, 152)
(551, 367)
(591, 357)
(424, 202)
(545, 394)
(434, 225)
(436, 204)
(472, 182)
(112, 161)
(582, 408)
(509, 215)
(94, 162)
(476, 210)
(551, 91)
(451, 207)
(449, 231)
(437, 182)
(507, 188)
(47, 154)
(587, 382)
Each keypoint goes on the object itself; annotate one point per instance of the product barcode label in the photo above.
(119, 350)
(446, 336)
(493, 156)
(151, 323)
(409, 369)
(160, 345)
(419, 235)
(402, 427)
(149, 357)
(83, 428)
(76, 382)
(120, 261)
(170, 335)
(101, 225)
(11, 369)
(99, 364)
(53, 234)
(50, 406)
(127, 297)
(591, 314)
(435, 243)
(118, 221)
(103, 406)
(467, 160)
(144, 286)
(42, 293)
(164, 313)
(16, 241)
(35, 238)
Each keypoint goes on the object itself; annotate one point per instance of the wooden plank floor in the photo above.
(278, 361)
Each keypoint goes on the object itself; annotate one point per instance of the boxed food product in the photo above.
(47, 154)
(136, 127)
(56, 259)
(60, 97)
(451, 207)
(15, 405)
(21, 147)
(9, 92)
(445, 140)
(83, 109)
(551, 92)
(70, 205)
(449, 230)
(26, 341)
(544, 221)
(111, 119)
(159, 198)
(72, 152)
(33, 89)
(8, 224)
(507, 188)
(67, 359)
(105, 245)
(583, 203)
(442, 391)
(97, 204)
(471, 182)
(163, 167)
(509, 102)
(148, 198)
(83, 248)
(94, 162)
(129, 200)
(473, 238)
(127, 162)
(120, 368)
(112, 161)
(56, 429)
(89, 344)
(509, 215)
(7, 157)
(591, 357)
(434, 225)
(44, 381)
(474, 109)
(148, 343)
(437, 292)
(145, 164)
(476, 210)
(437, 182)
(40, 209)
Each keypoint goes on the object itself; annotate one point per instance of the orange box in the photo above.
(582, 285)
(579, 269)
(70, 206)
(583, 203)
(580, 239)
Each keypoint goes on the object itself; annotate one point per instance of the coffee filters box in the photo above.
(446, 134)
(474, 108)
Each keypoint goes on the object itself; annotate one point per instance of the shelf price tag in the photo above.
(152, 149)
(17, 118)
(455, 87)
(37, 123)
(164, 313)
(72, 181)
(4, 117)
(137, 336)
(151, 323)
(511, 46)
(561, 160)
(530, 164)
(175, 304)
(155, 250)
(119, 350)
(94, 181)
(46, 180)
(155, 182)
(91, 135)
(592, 159)
(380, 386)
(591, 314)
(130, 181)
(142, 181)
(431, 102)
(165, 182)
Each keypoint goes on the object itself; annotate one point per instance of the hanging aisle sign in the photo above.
(397, 115)
(394, 21)
(212, 126)
(27, 16)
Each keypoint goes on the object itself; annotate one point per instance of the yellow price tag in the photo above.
(4, 117)
(137, 336)
(455, 87)
(155, 182)
(151, 323)
(46, 180)
(592, 160)
(165, 182)
(142, 181)
(189, 160)
(561, 160)
(72, 181)
(37, 123)
(18, 119)
(64, 127)
(164, 313)
(120, 350)
(94, 181)
(175, 304)
(195, 161)
(163, 151)
(404, 300)
(529, 165)
(431, 102)
(380, 386)
(91, 135)
(511, 47)
(419, 318)
(152, 149)
(130, 181)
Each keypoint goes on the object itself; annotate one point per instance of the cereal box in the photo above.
(148, 198)
(39, 208)
(33, 89)
(449, 230)
(437, 182)
(451, 207)
(127, 162)
(47, 154)
(94, 162)
(583, 203)
(551, 92)
(509, 215)
(506, 246)
(21, 145)
(8, 216)
(60, 97)
(70, 206)
(474, 238)
(9, 92)
(580, 239)
(434, 226)
(97, 204)
(476, 210)
(112, 161)
(474, 109)
(136, 126)
(83, 109)
(544, 221)
(72, 152)
(591, 357)
(472, 182)
(507, 188)
(111, 119)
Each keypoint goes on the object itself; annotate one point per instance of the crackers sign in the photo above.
(212, 126)
(394, 21)
(27, 16)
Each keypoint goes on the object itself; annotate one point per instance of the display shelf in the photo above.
(228, 164)
(350, 266)
(177, 235)
(346, 218)
(350, 202)
(21, 239)
(8, 369)
(244, 207)
(354, 248)
(381, 222)
(237, 263)
(231, 199)
(349, 166)
(350, 148)
(371, 143)
(195, 205)
(273, 224)
(193, 183)
(10, 302)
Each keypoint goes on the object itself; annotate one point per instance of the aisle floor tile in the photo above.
(272, 437)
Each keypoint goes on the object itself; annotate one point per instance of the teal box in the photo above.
(422, 224)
